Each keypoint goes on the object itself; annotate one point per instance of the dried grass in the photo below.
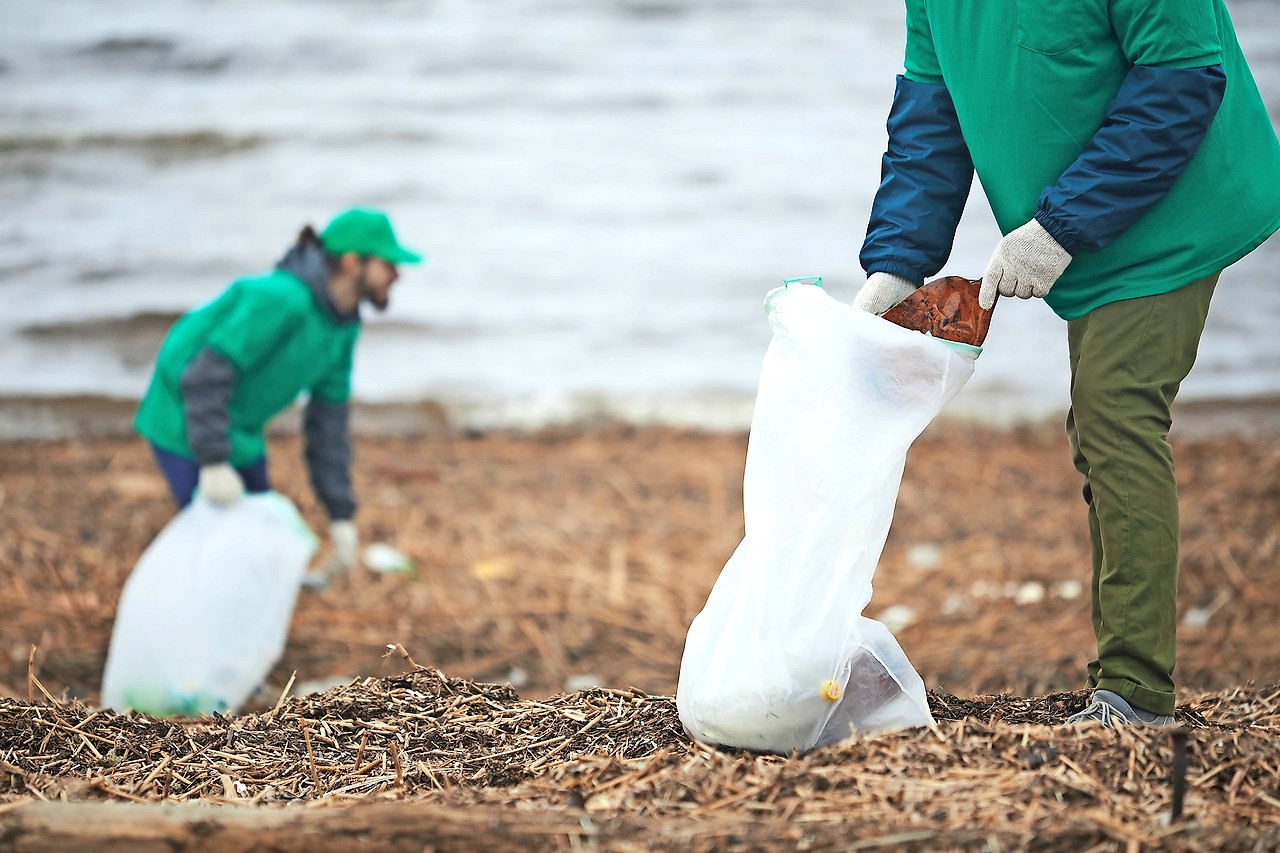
(586, 554)
(995, 767)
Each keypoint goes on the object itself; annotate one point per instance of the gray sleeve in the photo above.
(207, 384)
(329, 456)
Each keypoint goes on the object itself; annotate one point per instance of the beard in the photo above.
(378, 299)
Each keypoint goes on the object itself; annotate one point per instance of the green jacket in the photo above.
(1032, 80)
(281, 340)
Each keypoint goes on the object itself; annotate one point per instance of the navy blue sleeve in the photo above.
(924, 182)
(208, 381)
(328, 455)
(1153, 129)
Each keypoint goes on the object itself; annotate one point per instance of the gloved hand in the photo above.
(345, 540)
(220, 484)
(1026, 263)
(881, 292)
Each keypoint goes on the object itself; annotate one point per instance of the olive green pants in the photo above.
(1128, 360)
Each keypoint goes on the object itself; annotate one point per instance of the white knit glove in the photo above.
(345, 540)
(220, 484)
(881, 292)
(1026, 263)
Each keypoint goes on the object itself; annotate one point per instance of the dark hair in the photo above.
(309, 235)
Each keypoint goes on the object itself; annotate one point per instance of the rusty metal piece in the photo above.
(946, 308)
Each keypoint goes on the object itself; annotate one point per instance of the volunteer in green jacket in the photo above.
(1128, 158)
(229, 367)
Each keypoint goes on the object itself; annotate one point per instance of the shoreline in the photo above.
(38, 418)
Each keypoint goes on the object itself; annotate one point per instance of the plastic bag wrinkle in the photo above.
(842, 396)
(205, 612)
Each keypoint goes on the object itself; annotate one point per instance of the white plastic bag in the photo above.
(204, 615)
(780, 658)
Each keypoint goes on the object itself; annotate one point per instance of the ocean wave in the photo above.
(160, 147)
(150, 54)
(144, 324)
(21, 268)
(133, 340)
(130, 46)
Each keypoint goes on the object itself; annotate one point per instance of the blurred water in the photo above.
(606, 189)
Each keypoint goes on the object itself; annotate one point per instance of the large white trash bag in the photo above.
(205, 613)
(780, 658)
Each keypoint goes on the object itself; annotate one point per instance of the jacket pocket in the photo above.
(1050, 26)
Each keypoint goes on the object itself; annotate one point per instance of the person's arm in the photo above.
(925, 178)
(1154, 128)
(328, 455)
(926, 173)
(328, 440)
(329, 461)
(208, 382)
(247, 332)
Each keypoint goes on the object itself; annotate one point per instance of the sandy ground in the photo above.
(575, 557)
(556, 561)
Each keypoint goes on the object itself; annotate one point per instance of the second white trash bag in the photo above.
(780, 658)
(204, 615)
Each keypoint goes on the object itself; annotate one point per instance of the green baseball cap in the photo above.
(366, 231)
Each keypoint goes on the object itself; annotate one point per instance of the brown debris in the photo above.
(945, 308)
(586, 554)
(999, 766)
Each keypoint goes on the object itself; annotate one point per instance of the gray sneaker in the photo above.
(319, 577)
(315, 579)
(1111, 710)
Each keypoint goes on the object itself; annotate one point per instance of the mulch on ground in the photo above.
(550, 563)
(997, 771)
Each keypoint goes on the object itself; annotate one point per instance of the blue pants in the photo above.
(183, 474)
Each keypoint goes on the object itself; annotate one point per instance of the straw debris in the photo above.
(568, 557)
(995, 767)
